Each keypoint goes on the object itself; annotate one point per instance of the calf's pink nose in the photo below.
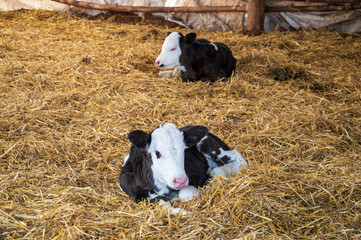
(180, 182)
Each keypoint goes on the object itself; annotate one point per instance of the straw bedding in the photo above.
(73, 87)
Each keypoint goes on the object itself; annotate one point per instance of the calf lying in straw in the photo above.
(197, 59)
(171, 163)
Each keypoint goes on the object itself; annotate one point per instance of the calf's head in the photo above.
(171, 49)
(165, 149)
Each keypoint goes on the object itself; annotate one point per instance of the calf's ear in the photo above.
(194, 134)
(190, 37)
(139, 138)
(168, 33)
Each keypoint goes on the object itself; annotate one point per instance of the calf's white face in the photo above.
(167, 152)
(165, 146)
(169, 57)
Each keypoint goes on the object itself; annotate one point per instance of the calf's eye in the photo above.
(173, 49)
(158, 154)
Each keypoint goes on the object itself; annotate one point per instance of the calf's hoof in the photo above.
(165, 74)
(187, 193)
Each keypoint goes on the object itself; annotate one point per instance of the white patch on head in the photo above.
(213, 152)
(215, 46)
(167, 151)
(169, 56)
(201, 142)
(125, 159)
(211, 163)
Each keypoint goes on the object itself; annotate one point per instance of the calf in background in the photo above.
(198, 59)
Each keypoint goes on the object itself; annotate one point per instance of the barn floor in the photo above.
(72, 88)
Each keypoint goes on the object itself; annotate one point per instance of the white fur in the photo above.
(232, 167)
(234, 155)
(169, 142)
(163, 188)
(125, 159)
(171, 52)
(200, 142)
(211, 163)
(215, 46)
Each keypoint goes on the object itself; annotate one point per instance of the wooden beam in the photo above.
(255, 19)
(292, 8)
(322, 1)
(206, 9)
(256, 9)
(119, 8)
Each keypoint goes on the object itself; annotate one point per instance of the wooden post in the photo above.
(255, 19)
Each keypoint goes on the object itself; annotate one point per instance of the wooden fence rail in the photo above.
(256, 9)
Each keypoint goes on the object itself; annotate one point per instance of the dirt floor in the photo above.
(72, 88)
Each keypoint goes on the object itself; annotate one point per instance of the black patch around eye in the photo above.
(158, 154)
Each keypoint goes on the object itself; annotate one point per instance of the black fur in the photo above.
(196, 167)
(136, 177)
(210, 146)
(202, 62)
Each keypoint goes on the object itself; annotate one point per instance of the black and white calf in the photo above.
(198, 59)
(171, 162)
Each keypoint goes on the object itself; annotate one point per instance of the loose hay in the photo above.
(72, 88)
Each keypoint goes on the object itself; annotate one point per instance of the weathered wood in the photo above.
(292, 8)
(321, 1)
(256, 9)
(314, 3)
(255, 19)
(119, 8)
(205, 9)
